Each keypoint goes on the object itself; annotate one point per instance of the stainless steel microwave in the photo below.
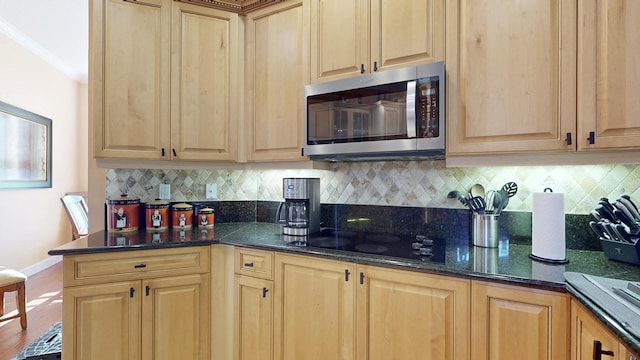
(388, 115)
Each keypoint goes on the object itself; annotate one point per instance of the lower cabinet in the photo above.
(314, 314)
(590, 340)
(163, 312)
(409, 315)
(337, 310)
(513, 322)
(253, 298)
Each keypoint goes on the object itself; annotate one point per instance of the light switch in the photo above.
(211, 191)
(165, 192)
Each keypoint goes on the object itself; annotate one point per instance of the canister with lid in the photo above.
(123, 213)
(157, 215)
(182, 216)
(206, 218)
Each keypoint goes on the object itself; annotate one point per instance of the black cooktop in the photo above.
(416, 247)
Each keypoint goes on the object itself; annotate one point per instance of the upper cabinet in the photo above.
(512, 75)
(351, 37)
(542, 76)
(164, 80)
(609, 74)
(275, 74)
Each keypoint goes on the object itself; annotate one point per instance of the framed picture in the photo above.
(25, 149)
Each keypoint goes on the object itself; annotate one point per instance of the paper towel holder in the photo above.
(545, 260)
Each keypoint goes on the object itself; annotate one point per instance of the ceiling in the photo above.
(55, 30)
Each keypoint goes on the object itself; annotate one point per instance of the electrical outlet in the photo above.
(211, 191)
(165, 192)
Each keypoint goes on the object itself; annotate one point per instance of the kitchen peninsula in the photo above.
(469, 276)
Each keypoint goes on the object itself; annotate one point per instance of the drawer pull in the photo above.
(264, 292)
(140, 266)
(147, 290)
(346, 274)
(248, 264)
(131, 291)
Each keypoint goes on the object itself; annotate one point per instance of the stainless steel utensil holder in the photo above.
(484, 230)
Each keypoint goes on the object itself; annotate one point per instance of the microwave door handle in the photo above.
(411, 109)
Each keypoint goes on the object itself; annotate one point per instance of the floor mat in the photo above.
(47, 347)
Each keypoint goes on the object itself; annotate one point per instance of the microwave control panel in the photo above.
(427, 108)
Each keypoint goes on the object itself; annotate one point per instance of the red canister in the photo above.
(157, 215)
(206, 218)
(123, 214)
(182, 216)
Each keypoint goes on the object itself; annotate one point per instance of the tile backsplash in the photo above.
(389, 183)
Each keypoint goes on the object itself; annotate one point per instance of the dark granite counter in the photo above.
(508, 263)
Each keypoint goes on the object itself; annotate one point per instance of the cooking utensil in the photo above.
(477, 190)
(504, 201)
(511, 188)
(595, 216)
(454, 194)
(596, 229)
(477, 204)
(497, 202)
(489, 201)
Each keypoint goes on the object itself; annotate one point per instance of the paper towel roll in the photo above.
(548, 235)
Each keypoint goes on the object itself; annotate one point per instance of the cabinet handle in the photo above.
(361, 68)
(140, 266)
(568, 139)
(592, 137)
(346, 274)
(131, 291)
(361, 278)
(162, 152)
(264, 292)
(147, 290)
(598, 352)
(248, 264)
(375, 66)
(174, 152)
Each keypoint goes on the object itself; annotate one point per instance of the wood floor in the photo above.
(44, 308)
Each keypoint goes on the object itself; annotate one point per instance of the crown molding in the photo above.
(241, 7)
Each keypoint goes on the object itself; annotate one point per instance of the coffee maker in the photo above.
(300, 211)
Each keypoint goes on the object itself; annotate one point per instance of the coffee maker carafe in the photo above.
(300, 211)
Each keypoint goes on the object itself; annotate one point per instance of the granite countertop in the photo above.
(508, 263)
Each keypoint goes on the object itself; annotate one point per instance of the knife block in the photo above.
(624, 252)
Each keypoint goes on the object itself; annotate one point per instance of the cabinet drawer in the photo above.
(254, 263)
(139, 264)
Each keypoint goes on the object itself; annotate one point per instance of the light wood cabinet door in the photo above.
(204, 83)
(253, 318)
(175, 313)
(339, 33)
(609, 80)
(351, 37)
(102, 321)
(314, 312)
(510, 322)
(276, 72)
(405, 33)
(407, 315)
(511, 83)
(586, 330)
(129, 67)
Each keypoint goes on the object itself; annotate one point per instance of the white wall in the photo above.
(33, 221)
